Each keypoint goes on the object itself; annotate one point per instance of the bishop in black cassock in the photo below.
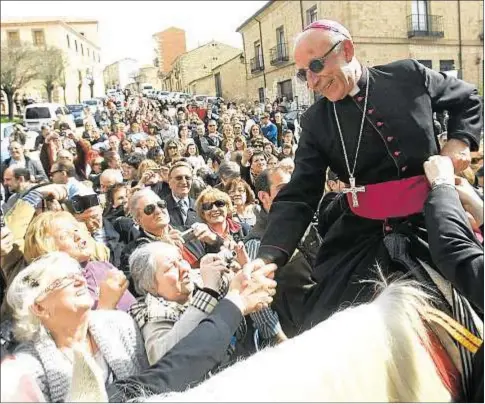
(397, 138)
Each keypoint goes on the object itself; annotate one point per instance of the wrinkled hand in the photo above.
(111, 289)
(459, 153)
(175, 236)
(242, 256)
(439, 167)
(6, 241)
(203, 233)
(56, 192)
(255, 292)
(254, 266)
(149, 178)
(247, 155)
(470, 200)
(211, 269)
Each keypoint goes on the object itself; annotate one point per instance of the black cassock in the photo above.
(398, 137)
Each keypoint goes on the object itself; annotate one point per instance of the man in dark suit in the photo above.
(181, 208)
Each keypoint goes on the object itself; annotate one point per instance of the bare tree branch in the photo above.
(18, 67)
(51, 66)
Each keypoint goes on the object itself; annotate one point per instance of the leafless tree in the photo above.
(51, 66)
(63, 82)
(79, 85)
(18, 67)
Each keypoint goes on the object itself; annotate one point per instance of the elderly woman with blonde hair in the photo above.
(215, 209)
(60, 231)
(53, 319)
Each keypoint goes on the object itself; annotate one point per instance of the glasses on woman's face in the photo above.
(150, 208)
(209, 205)
(315, 65)
(61, 283)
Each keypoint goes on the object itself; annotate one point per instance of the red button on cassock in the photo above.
(379, 124)
(389, 138)
(360, 99)
(404, 168)
(397, 153)
(370, 111)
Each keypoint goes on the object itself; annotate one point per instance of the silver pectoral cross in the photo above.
(353, 190)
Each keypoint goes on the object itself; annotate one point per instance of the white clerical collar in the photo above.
(356, 88)
(354, 91)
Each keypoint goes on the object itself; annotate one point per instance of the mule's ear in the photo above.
(87, 382)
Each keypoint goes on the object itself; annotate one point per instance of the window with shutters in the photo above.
(13, 38)
(427, 63)
(311, 15)
(447, 65)
(38, 37)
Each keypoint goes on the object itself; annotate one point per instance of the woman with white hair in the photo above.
(53, 319)
(175, 298)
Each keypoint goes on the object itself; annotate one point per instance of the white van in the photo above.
(36, 115)
(146, 89)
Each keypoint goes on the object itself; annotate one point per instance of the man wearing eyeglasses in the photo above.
(374, 128)
(181, 209)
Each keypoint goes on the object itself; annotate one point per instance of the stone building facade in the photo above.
(227, 80)
(196, 64)
(78, 39)
(120, 73)
(444, 35)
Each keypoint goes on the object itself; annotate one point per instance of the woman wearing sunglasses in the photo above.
(171, 151)
(214, 207)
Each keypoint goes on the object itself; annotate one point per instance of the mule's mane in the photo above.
(373, 352)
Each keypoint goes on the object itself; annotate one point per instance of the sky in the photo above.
(126, 27)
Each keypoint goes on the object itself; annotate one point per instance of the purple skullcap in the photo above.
(329, 25)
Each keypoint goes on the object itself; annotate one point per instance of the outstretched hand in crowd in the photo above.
(252, 293)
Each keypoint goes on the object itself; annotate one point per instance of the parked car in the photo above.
(77, 111)
(290, 118)
(95, 105)
(163, 95)
(200, 100)
(6, 130)
(36, 115)
(146, 89)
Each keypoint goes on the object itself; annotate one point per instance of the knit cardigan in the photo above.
(117, 337)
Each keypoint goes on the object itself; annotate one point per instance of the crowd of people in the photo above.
(145, 219)
(125, 248)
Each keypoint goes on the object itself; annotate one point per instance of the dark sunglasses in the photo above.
(316, 65)
(149, 209)
(208, 205)
(171, 147)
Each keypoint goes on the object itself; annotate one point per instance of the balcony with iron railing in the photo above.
(425, 25)
(279, 54)
(256, 64)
